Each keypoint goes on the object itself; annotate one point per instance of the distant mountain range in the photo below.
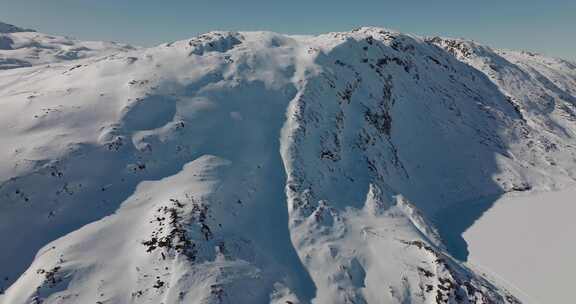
(25, 48)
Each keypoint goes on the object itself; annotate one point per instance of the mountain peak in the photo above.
(9, 28)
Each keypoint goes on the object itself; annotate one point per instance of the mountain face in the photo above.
(25, 47)
(257, 167)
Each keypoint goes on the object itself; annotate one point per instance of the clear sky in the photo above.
(548, 27)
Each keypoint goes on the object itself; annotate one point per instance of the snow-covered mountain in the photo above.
(256, 167)
(25, 47)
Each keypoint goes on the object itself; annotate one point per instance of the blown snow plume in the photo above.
(257, 167)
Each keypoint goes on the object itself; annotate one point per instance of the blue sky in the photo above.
(548, 27)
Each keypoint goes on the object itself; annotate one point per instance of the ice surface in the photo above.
(529, 242)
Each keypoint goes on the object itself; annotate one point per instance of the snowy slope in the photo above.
(257, 167)
(25, 47)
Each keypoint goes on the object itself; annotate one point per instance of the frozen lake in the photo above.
(528, 242)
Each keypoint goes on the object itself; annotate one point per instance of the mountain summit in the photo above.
(255, 167)
(9, 28)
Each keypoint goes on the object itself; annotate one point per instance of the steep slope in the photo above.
(25, 47)
(257, 167)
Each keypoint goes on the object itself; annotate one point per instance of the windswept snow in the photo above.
(255, 167)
